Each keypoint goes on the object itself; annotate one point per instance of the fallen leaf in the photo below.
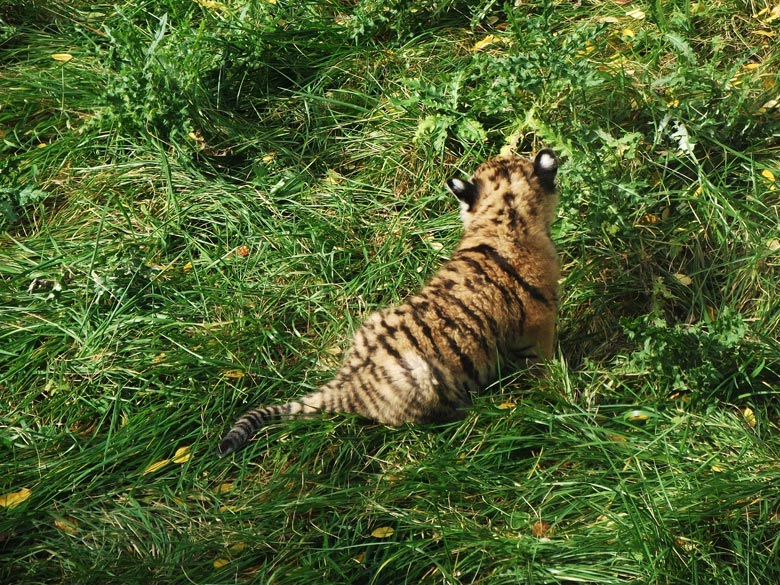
(233, 374)
(156, 466)
(232, 508)
(333, 178)
(772, 13)
(540, 528)
(683, 279)
(219, 563)
(484, 43)
(506, 405)
(67, 525)
(636, 14)
(211, 4)
(223, 488)
(649, 218)
(686, 544)
(13, 499)
(359, 558)
(750, 417)
(382, 532)
(768, 175)
(182, 455)
(62, 57)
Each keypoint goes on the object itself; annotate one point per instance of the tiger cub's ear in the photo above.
(546, 167)
(465, 191)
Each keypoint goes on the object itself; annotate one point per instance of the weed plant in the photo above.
(199, 200)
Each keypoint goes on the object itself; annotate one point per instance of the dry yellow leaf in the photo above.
(223, 488)
(211, 4)
(156, 466)
(237, 547)
(649, 218)
(769, 105)
(636, 14)
(62, 57)
(484, 43)
(187, 267)
(768, 175)
(219, 563)
(13, 499)
(383, 532)
(182, 455)
(232, 508)
(359, 559)
(627, 32)
(683, 279)
(233, 374)
(540, 528)
(506, 405)
(750, 417)
(772, 13)
(67, 525)
(717, 468)
(589, 48)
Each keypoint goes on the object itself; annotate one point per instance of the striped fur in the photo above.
(494, 300)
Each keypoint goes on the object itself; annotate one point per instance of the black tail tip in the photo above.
(226, 447)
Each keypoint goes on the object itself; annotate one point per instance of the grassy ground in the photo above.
(199, 201)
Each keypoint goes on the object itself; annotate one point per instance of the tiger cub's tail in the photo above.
(255, 419)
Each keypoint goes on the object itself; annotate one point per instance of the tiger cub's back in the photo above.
(495, 299)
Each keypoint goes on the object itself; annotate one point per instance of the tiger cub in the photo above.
(494, 300)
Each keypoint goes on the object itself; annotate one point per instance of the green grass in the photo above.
(199, 206)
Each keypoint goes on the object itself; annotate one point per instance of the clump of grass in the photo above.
(199, 201)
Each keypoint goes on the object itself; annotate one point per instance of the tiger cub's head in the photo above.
(510, 190)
